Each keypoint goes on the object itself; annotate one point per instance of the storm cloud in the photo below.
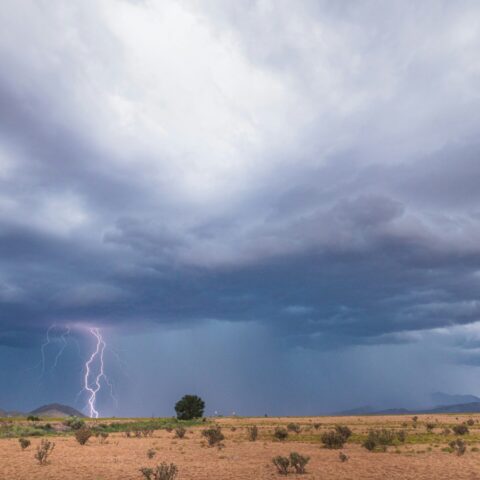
(306, 171)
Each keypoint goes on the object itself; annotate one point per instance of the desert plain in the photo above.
(424, 454)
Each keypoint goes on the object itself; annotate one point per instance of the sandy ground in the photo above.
(121, 458)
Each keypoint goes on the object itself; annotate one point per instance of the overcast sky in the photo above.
(272, 204)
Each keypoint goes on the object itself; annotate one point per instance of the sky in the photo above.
(272, 205)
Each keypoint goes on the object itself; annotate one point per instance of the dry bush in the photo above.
(298, 462)
(294, 427)
(470, 422)
(344, 431)
(460, 429)
(282, 464)
(252, 433)
(83, 435)
(151, 453)
(316, 426)
(180, 432)
(128, 433)
(343, 458)
(458, 446)
(280, 433)
(446, 431)
(429, 426)
(160, 472)
(333, 439)
(103, 437)
(213, 435)
(147, 432)
(24, 443)
(43, 451)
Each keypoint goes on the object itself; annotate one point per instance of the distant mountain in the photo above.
(472, 407)
(440, 398)
(56, 410)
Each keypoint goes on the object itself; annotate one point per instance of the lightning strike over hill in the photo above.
(92, 382)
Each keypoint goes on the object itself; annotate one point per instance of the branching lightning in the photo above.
(94, 376)
(92, 382)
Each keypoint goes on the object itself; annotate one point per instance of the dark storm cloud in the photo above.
(336, 205)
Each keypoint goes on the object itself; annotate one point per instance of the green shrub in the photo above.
(33, 418)
(282, 464)
(298, 462)
(294, 427)
(43, 451)
(333, 439)
(280, 433)
(189, 407)
(380, 439)
(252, 433)
(74, 423)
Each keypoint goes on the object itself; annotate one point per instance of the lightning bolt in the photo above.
(92, 382)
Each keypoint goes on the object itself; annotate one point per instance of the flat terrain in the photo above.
(423, 455)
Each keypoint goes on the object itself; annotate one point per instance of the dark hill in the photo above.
(56, 410)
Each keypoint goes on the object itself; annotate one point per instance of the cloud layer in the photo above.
(311, 170)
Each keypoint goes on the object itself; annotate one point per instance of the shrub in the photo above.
(280, 433)
(282, 464)
(446, 431)
(33, 418)
(151, 453)
(344, 431)
(380, 439)
(316, 426)
(214, 435)
(294, 427)
(189, 407)
(169, 429)
(458, 446)
(43, 451)
(160, 472)
(24, 443)
(147, 432)
(298, 462)
(180, 432)
(402, 435)
(470, 422)
(128, 433)
(429, 426)
(343, 458)
(74, 423)
(83, 435)
(103, 437)
(460, 429)
(252, 433)
(414, 419)
(333, 439)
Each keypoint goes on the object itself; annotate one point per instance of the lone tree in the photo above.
(189, 406)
